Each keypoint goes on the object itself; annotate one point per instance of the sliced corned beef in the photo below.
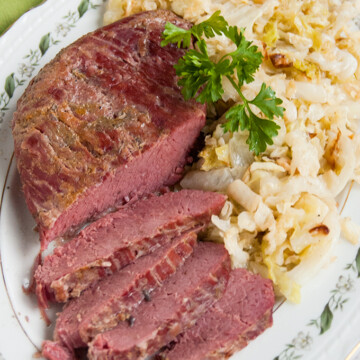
(103, 122)
(244, 312)
(118, 238)
(175, 306)
(54, 351)
(111, 300)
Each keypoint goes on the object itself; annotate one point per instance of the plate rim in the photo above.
(21, 22)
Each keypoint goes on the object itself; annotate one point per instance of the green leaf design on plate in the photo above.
(44, 43)
(83, 7)
(10, 85)
(357, 262)
(326, 319)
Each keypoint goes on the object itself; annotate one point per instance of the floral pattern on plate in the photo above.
(31, 60)
(339, 297)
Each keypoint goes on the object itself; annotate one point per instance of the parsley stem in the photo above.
(237, 88)
(223, 57)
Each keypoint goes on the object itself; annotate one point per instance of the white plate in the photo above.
(333, 294)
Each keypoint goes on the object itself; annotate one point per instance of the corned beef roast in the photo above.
(175, 306)
(243, 312)
(111, 300)
(103, 122)
(118, 238)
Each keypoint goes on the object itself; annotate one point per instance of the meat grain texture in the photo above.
(243, 313)
(118, 238)
(112, 300)
(174, 307)
(104, 122)
(54, 351)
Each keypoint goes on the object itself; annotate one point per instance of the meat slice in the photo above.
(118, 238)
(244, 312)
(103, 122)
(110, 301)
(175, 306)
(54, 351)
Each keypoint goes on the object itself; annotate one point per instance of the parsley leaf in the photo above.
(261, 131)
(196, 71)
(236, 116)
(268, 103)
(201, 78)
(246, 58)
(173, 34)
(216, 24)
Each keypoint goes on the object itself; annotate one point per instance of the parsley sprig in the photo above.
(201, 78)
